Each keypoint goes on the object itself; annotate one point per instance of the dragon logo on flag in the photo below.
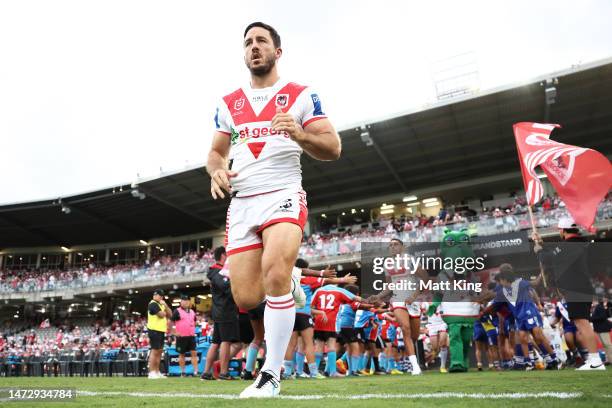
(552, 156)
(581, 176)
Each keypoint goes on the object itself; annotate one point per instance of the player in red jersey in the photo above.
(304, 323)
(326, 303)
(261, 131)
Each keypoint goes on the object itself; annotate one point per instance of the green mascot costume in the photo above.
(458, 311)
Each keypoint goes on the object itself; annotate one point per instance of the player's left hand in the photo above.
(537, 239)
(285, 122)
(349, 279)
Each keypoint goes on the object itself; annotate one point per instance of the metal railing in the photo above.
(348, 246)
(335, 249)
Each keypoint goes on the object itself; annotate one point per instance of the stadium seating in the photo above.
(318, 246)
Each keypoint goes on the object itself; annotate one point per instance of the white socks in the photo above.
(279, 318)
(443, 356)
(594, 359)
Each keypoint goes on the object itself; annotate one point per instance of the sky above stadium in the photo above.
(94, 93)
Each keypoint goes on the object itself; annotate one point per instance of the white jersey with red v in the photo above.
(398, 274)
(265, 160)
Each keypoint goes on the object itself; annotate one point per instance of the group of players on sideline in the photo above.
(338, 333)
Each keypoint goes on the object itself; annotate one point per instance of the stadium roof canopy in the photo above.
(445, 144)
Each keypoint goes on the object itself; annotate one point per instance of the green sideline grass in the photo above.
(595, 389)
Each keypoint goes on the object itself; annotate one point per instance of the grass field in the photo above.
(474, 389)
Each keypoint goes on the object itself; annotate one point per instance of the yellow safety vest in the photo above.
(155, 322)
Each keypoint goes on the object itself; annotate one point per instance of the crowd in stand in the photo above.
(419, 228)
(96, 275)
(317, 246)
(68, 336)
(78, 336)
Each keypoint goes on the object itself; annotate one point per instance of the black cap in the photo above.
(185, 297)
(159, 292)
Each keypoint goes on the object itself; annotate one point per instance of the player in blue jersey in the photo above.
(349, 336)
(517, 293)
(367, 324)
(485, 336)
(506, 334)
(569, 331)
(389, 331)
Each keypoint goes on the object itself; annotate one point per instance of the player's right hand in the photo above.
(328, 272)
(219, 181)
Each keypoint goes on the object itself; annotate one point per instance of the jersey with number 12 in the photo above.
(328, 299)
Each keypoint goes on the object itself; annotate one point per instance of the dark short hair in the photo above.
(219, 252)
(571, 230)
(276, 40)
(506, 272)
(354, 289)
(301, 263)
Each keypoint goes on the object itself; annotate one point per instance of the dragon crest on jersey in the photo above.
(265, 159)
(282, 100)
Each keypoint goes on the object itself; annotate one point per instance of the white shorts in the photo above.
(248, 216)
(434, 329)
(413, 309)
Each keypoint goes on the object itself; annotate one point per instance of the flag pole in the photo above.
(533, 230)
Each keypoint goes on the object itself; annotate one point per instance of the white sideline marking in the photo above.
(460, 395)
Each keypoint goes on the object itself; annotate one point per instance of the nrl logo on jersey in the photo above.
(239, 104)
(282, 100)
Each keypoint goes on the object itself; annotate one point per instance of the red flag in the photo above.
(582, 177)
